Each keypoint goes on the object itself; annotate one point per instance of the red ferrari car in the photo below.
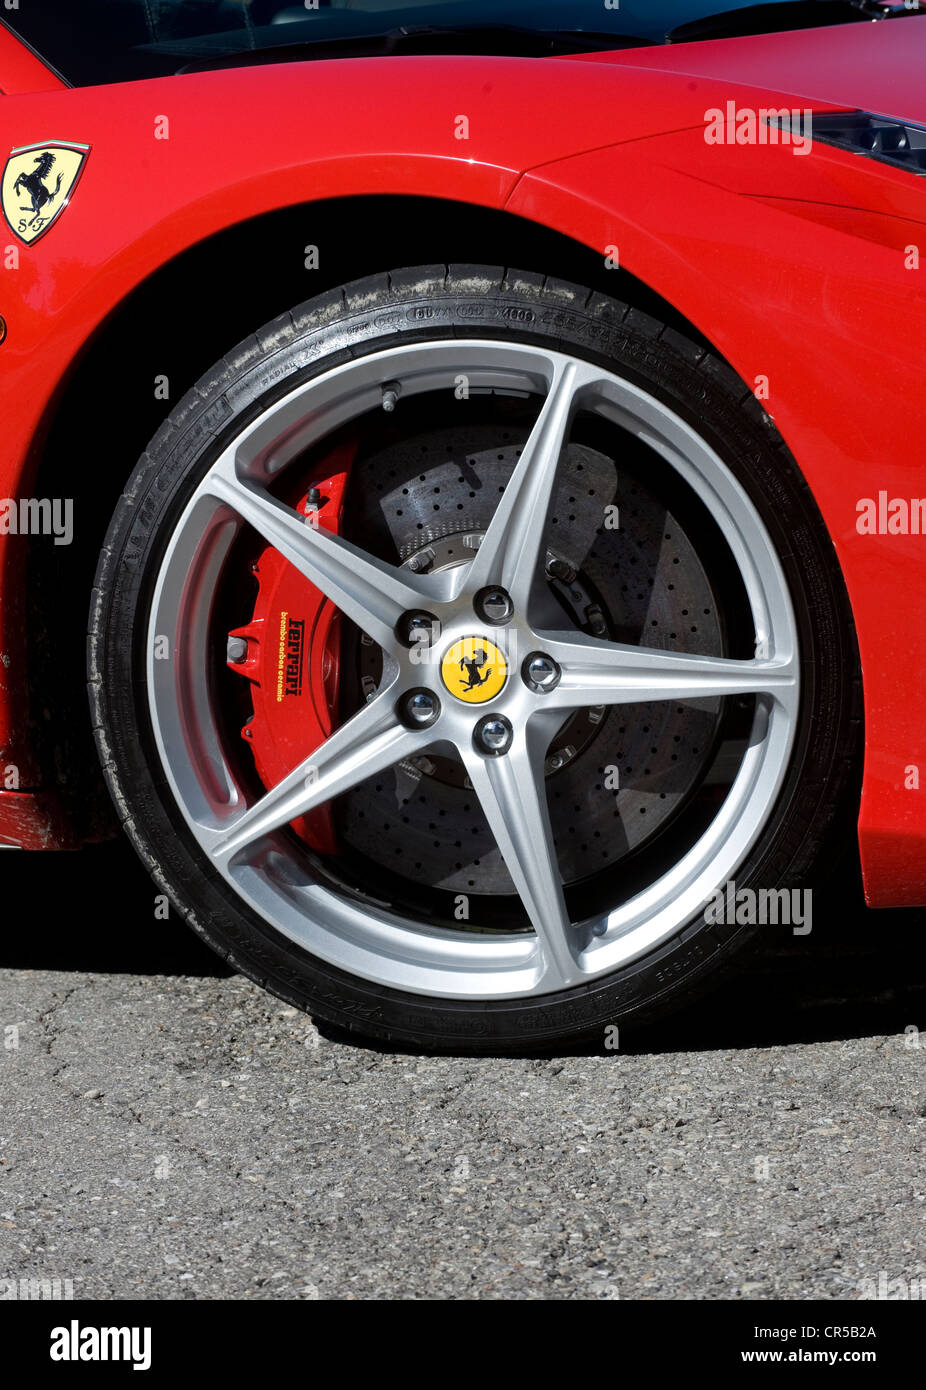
(479, 434)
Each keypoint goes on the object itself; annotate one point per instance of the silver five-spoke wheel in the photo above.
(495, 604)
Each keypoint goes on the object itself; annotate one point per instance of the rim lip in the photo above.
(367, 938)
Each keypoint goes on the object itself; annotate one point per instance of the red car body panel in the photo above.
(874, 68)
(21, 71)
(808, 314)
(793, 267)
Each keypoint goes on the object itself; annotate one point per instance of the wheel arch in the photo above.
(114, 377)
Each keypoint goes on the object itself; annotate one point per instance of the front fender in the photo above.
(826, 304)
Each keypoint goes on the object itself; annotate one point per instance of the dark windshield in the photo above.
(99, 41)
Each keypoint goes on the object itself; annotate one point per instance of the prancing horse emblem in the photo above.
(37, 182)
(474, 670)
(34, 184)
(472, 667)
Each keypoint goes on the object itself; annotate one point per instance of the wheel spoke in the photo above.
(374, 594)
(612, 673)
(513, 797)
(513, 551)
(372, 740)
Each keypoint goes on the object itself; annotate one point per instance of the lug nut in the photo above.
(493, 734)
(494, 605)
(420, 708)
(540, 672)
(419, 629)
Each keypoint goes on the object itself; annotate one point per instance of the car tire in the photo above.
(653, 374)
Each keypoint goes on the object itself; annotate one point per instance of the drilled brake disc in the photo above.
(614, 776)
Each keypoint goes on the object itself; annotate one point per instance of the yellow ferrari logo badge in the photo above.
(474, 670)
(37, 182)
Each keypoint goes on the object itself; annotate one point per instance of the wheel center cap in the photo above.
(474, 670)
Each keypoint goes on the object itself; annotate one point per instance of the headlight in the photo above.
(879, 137)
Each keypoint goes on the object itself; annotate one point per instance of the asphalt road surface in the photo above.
(169, 1131)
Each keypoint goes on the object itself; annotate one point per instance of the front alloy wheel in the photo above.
(446, 663)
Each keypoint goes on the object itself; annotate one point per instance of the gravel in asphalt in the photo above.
(170, 1131)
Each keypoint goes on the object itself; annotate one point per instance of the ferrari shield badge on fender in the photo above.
(37, 182)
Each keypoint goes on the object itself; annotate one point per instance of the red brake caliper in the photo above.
(292, 656)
